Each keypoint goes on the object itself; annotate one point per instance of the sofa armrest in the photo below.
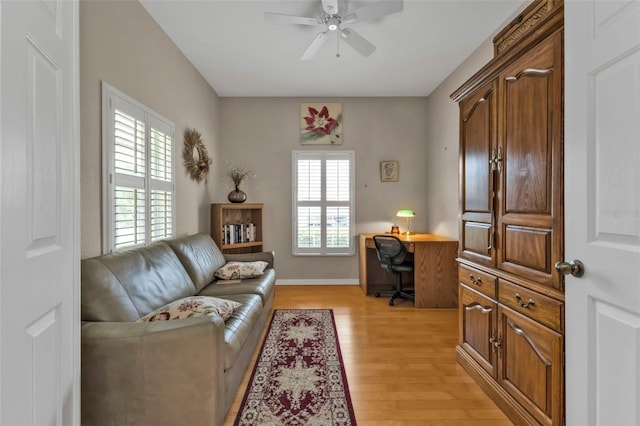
(164, 372)
(266, 256)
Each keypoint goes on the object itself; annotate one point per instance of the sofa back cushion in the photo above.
(127, 285)
(200, 256)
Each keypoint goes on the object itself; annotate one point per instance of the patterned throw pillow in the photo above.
(192, 307)
(241, 270)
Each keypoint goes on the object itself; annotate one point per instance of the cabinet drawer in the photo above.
(477, 280)
(543, 309)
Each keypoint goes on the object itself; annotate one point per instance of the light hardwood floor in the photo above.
(399, 360)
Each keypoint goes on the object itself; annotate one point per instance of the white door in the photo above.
(602, 202)
(39, 258)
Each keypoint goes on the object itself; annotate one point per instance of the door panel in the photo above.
(478, 327)
(530, 222)
(528, 247)
(38, 183)
(603, 201)
(527, 145)
(478, 136)
(476, 239)
(532, 365)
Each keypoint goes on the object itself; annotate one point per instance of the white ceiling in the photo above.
(241, 54)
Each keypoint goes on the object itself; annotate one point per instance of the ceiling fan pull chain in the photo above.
(338, 46)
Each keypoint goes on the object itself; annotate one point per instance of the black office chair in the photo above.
(391, 254)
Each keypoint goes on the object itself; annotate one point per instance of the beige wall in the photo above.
(261, 133)
(121, 44)
(443, 136)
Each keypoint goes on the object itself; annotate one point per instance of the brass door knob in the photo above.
(573, 267)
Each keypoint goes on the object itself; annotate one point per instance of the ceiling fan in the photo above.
(333, 19)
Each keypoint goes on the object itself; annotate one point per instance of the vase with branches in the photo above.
(238, 176)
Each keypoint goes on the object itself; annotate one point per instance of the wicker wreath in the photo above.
(196, 165)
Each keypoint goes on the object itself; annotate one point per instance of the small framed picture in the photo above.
(388, 171)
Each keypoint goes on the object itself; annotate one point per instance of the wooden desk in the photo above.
(435, 275)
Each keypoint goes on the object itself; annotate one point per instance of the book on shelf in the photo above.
(238, 233)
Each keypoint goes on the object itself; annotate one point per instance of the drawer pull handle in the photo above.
(524, 305)
(475, 281)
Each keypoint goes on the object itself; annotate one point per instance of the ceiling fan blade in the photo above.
(291, 19)
(315, 46)
(330, 7)
(374, 10)
(356, 41)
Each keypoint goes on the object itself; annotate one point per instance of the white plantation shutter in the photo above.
(129, 161)
(138, 173)
(323, 201)
(309, 184)
(161, 179)
(338, 202)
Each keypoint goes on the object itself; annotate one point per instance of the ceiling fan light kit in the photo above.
(333, 20)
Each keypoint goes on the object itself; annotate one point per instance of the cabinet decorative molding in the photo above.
(520, 30)
(511, 298)
(531, 17)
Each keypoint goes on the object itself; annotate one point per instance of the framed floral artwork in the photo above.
(321, 124)
(388, 171)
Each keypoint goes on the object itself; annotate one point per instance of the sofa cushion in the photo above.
(127, 285)
(200, 256)
(193, 307)
(241, 270)
(263, 286)
(240, 325)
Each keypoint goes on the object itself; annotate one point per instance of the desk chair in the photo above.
(391, 254)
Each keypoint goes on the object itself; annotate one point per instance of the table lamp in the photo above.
(408, 214)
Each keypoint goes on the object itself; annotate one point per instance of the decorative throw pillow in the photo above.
(241, 270)
(191, 307)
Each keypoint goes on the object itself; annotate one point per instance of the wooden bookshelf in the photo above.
(236, 215)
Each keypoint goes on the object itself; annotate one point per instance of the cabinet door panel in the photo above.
(478, 139)
(528, 247)
(527, 143)
(531, 368)
(530, 220)
(476, 240)
(477, 324)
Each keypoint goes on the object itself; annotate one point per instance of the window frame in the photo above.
(323, 250)
(152, 121)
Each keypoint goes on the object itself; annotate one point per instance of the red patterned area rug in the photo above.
(299, 376)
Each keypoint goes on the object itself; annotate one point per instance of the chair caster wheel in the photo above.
(390, 302)
(376, 294)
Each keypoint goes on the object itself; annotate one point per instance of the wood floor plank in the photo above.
(399, 360)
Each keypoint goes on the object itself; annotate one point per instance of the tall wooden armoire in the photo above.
(511, 298)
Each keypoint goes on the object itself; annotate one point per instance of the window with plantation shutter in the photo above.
(138, 188)
(323, 203)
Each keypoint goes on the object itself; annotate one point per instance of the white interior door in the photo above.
(39, 259)
(602, 201)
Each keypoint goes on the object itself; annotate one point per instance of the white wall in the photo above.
(260, 133)
(121, 44)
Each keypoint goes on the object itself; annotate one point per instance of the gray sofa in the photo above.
(182, 372)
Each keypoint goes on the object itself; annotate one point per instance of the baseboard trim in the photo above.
(319, 282)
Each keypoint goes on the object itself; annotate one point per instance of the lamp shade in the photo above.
(405, 213)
